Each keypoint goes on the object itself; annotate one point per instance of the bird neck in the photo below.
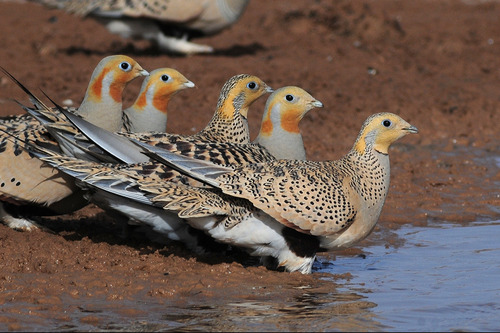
(148, 119)
(373, 173)
(366, 180)
(160, 102)
(228, 125)
(105, 86)
(102, 104)
(282, 144)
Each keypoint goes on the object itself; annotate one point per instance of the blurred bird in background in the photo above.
(171, 24)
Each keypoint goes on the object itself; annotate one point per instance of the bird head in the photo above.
(238, 93)
(113, 73)
(285, 107)
(381, 130)
(160, 86)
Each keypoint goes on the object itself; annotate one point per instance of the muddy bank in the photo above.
(436, 63)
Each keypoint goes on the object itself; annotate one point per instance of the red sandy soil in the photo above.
(436, 63)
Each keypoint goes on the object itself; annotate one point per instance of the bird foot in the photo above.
(181, 45)
(22, 224)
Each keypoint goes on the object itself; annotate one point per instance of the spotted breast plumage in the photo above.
(229, 123)
(297, 207)
(112, 186)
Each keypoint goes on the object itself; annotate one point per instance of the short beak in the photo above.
(411, 129)
(317, 104)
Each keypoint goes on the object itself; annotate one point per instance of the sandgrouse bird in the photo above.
(112, 186)
(169, 23)
(228, 124)
(287, 210)
(149, 111)
(35, 188)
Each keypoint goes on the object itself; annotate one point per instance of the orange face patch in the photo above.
(140, 103)
(290, 121)
(116, 88)
(97, 85)
(266, 127)
(161, 98)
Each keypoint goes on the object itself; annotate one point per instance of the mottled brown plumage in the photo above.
(169, 23)
(24, 180)
(338, 202)
(282, 209)
(285, 107)
(229, 122)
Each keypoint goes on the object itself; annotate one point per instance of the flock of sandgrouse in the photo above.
(216, 186)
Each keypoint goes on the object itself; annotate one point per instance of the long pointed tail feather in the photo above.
(204, 171)
(119, 147)
(35, 100)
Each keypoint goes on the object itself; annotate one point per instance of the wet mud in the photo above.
(435, 63)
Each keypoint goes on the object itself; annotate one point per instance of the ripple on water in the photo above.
(444, 278)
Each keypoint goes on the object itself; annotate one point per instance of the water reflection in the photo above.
(308, 312)
(444, 278)
(441, 278)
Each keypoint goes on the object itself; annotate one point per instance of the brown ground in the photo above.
(435, 63)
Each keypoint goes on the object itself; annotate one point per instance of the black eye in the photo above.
(252, 85)
(387, 123)
(165, 77)
(289, 97)
(125, 66)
